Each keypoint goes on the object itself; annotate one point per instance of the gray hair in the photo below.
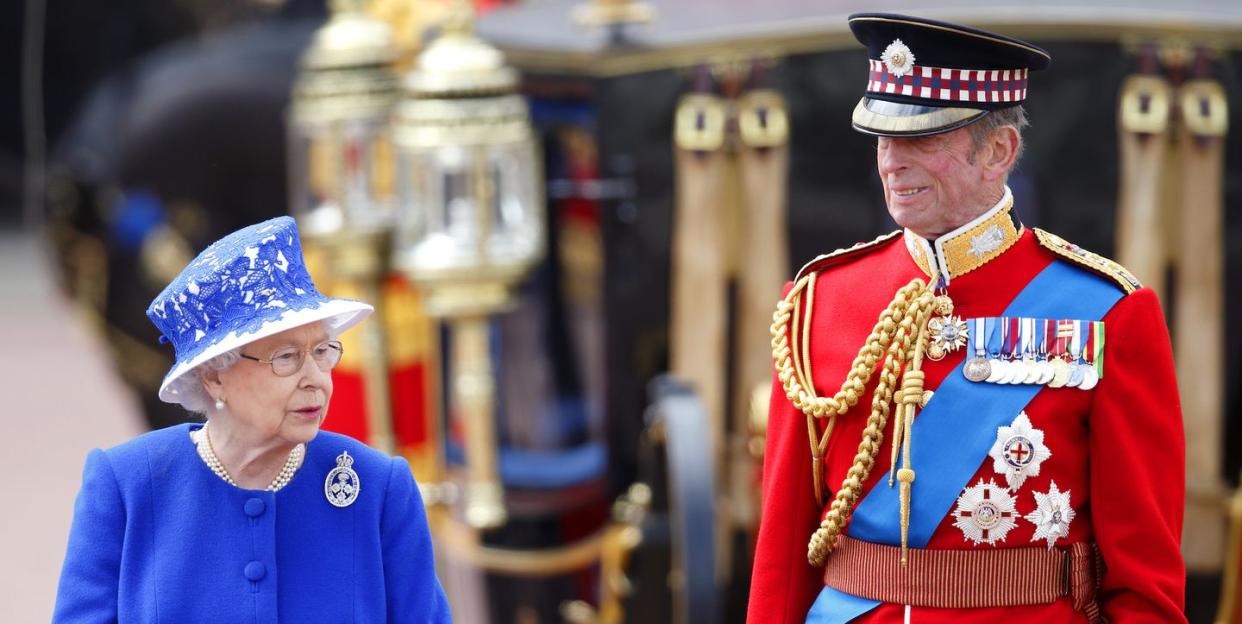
(981, 131)
(189, 386)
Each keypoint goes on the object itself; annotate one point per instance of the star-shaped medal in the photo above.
(1052, 515)
(985, 513)
(1018, 451)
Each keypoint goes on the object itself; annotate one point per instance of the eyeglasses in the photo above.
(288, 361)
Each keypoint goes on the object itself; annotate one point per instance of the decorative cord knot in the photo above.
(897, 337)
(911, 392)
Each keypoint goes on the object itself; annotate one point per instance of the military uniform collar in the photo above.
(968, 247)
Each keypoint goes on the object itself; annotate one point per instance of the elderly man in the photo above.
(972, 420)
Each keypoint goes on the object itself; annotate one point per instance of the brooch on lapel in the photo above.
(342, 485)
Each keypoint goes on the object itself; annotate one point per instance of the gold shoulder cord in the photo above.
(899, 336)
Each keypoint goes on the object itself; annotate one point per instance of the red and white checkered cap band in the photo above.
(950, 85)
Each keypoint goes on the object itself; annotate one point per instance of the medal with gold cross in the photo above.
(946, 333)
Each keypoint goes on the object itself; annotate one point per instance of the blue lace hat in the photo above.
(248, 285)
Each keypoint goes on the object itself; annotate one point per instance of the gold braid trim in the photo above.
(800, 393)
(898, 336)
(841, 255)
(1095, 262)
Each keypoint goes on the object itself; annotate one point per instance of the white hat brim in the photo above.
(341, 314)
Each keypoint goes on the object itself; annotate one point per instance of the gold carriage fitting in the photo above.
(340, 180)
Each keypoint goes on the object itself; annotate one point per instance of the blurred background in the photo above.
(575, 217)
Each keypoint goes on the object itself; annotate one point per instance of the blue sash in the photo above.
(1059, 291)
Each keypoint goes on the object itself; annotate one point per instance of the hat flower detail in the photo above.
(898, 58)
(232, 286)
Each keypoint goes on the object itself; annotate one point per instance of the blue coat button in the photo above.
(255, 571)
(255, 507)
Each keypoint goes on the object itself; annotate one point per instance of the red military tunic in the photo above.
(1118, 449)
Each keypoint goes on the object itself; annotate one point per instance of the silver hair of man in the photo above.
(981, 131)
(189, 387)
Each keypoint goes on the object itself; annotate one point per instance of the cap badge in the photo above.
(898, 59)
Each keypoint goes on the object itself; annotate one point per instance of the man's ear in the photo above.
(1004, 146)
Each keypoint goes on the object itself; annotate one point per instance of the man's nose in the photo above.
(890, 156)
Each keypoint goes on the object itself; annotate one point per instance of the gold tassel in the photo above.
(817, 462)
(906, 476)
(912, 383)
(911, 400)
(899, 424)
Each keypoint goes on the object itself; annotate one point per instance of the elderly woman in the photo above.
(256, 515)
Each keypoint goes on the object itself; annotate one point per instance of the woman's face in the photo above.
(270, 407)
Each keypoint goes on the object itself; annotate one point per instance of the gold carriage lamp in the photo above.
(339, 153)
(470, 220)
(341, 175)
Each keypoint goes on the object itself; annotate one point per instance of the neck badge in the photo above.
(947, 333)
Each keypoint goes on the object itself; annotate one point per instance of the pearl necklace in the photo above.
(208, 454)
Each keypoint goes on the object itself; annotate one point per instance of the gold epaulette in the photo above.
(1089, 260)
(843, 254)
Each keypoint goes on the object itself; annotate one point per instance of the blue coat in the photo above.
(157, 537)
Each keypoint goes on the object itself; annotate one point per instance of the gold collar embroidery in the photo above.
(970, 246)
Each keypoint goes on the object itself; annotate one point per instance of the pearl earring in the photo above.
(219, 404)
